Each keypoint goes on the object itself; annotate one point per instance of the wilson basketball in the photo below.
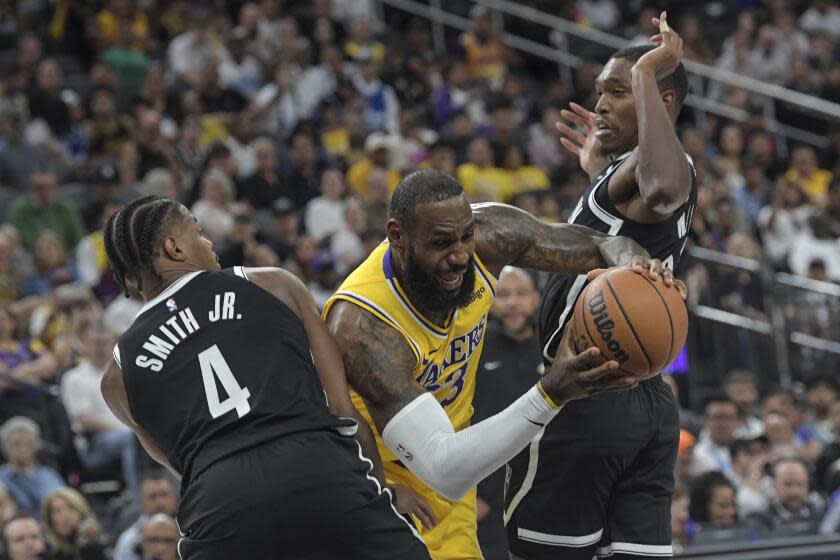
(639, 322)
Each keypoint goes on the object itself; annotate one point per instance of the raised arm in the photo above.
(510, 236)
(662, 172)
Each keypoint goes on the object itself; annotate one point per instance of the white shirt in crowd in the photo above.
(81, 395)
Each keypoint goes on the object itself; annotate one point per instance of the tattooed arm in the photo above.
(378, 361)
(510, 236)
(415, 427)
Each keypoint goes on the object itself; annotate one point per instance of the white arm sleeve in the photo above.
(451, 462)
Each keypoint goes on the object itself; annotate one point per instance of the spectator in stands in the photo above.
(804, 171)
(381, 111)
(749, 460)
(23, 538)
(27, 482)
(751, 190)
(324, 215)
(52, 266)
(216, 99)
(46, 100)
(720, 421)
(264, 186)
(108, 439)
(160, 538)
(70, 346)
(821, 394)
(792, 507)
(453, 95)
(120, 313)
(158, 495)
(188, 50)
(544, 149)
(784, 402)
(522, 176)
(742, 388)
(512, 359)
(779, 432)
(212, 210)
(377, 155)
(770, 58)
(827, 467)
(109, 130)
(822, 16)
(42, 209)
(346, 244)
(680, 535)
(441, 157)
(781, 223)
(71, 527)
(361, 38)
(482, 180)
(108, 22)
(485, 54)
(712, 500)
(300, 180)
(24, 365)
(242, 72)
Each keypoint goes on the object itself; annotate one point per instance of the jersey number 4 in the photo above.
(213, 365)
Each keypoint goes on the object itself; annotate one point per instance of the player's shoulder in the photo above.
(278, 282)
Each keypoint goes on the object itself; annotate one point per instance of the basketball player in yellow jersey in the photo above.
(410, 324)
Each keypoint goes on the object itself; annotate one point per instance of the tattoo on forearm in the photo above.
(512, 236)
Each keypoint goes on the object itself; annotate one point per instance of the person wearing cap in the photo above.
(377, 155)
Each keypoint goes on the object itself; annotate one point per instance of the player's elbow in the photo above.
(662, 198)
(448, 487)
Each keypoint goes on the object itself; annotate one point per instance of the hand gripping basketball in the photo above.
(579, 375)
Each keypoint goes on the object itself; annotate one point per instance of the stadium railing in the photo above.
(743, 315)
(810, 113)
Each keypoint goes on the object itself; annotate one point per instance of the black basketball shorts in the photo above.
(306, 496)
(598, 480)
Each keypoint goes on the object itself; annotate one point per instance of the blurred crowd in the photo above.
(759, 465)
(285, 126)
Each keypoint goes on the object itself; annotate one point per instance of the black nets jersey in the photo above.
(216, 365)
(663, 240)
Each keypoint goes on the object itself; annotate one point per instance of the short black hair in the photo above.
(132, 233)
(701, 494)
(718, 397)
(421, 187)
(676, 81)
(823, 379)
(741, 376)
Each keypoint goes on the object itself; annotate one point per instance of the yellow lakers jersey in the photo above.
(447, 357)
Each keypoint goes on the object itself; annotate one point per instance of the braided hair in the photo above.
(132, 235)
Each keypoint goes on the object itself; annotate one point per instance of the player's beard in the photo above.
(425, 292)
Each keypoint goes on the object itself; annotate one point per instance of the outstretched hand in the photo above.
(581, 141)
(665, 58)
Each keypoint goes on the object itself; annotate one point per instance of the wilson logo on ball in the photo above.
(598, 311)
